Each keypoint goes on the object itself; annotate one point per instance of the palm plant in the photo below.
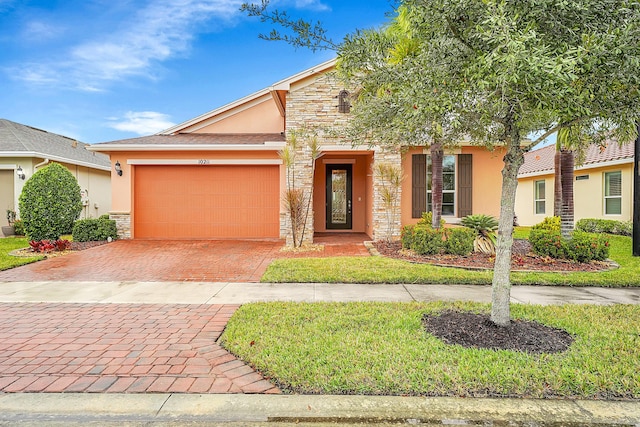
(485, 227)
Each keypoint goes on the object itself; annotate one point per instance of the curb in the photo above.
(308, 409)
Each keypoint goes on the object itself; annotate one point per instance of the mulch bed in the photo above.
(522, 259)
(473, 330)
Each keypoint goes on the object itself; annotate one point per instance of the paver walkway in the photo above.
(170, 261)
(120, 348)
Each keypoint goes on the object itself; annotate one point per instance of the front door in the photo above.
(339, 197)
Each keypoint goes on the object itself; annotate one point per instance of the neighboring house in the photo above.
(603, 186)
(24, 150)
(220, 175)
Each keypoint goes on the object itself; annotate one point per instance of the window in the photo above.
(613, 193)
(344, 106)
(539, 197)
(448, 185)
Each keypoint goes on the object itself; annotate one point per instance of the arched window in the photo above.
(344, 106)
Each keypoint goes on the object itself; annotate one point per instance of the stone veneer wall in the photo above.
(380, 227)
(123, 224)
(312, 108)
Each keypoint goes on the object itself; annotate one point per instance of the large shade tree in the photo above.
(503, 70)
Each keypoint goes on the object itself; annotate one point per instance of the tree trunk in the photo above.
(557, 184)
(436, 184)
(501, 285)
(566, 215)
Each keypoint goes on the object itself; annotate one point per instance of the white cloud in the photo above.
(161, 30)
(38, 31)
(312, 4)
(142, 122)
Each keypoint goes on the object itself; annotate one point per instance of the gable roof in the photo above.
(274, 91)
(196, 141)
(541, 161)
(18, 140)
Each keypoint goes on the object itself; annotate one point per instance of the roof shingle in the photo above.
(18, 138)
(541, 160)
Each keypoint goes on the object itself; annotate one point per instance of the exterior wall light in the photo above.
(20, 173)
(118, 168)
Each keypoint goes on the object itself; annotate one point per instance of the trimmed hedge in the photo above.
(581, 247)
(87, 230)
(424, 240)
(610, 226)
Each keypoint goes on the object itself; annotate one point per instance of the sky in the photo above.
(104, 70)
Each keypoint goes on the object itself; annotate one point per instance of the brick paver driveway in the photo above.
(172, 261)
(151, 260)
(120, 348)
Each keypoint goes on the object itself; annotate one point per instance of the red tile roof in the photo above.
(541, 160)
(201, 139)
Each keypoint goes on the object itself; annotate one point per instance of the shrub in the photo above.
(581, 247)
(459, 241)
(545, 242)
(594, 225)
(18, 227)
(87, 230)
(427, 219)
(46, 246)
(586, 247)
(549, 223)
(427, 241)
(49, 203)
(406, 236)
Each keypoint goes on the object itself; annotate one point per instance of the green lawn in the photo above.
(387, 270)
(382, 348)
(7, 245)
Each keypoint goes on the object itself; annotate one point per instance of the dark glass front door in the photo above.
(339, 197)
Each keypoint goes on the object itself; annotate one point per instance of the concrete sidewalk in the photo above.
(241, 293)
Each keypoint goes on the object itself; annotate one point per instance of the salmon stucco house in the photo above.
(220, 175)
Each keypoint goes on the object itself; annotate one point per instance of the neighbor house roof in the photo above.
(196, 141)
(18, 140)
(541, 161)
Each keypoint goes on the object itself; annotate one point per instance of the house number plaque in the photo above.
(204, 162)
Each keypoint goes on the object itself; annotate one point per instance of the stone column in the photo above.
(393, 157)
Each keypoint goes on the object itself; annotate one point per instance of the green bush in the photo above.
(549, 223)
(88, 230)
(586, 247)
(49, 203)
(610, 226)
(459, 241)
(581, 247)
(406, 236)
(427, 219)
(18, 227)
(545, 242)
(427, 241)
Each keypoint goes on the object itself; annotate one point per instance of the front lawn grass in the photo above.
(9, 244)
(382, 348)
(388, 270)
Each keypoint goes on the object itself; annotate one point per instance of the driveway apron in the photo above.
(120, 348)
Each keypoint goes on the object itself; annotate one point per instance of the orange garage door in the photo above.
(192, 202)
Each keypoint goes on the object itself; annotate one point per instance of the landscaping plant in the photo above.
(49, 203)
(484, 227)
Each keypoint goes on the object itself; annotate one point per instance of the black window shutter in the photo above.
(418, 185)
